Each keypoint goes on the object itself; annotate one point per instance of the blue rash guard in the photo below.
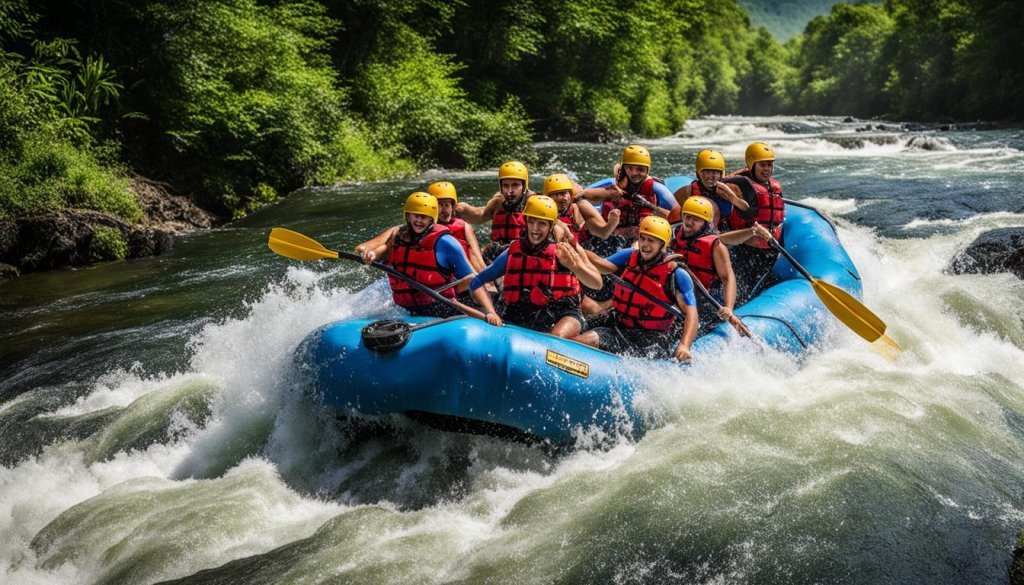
(493, 272)
(683, 283)
(450, 256)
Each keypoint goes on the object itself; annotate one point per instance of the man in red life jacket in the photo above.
(753, 261)
(634, 193)
(644, 326)
(541, 278)
(504, 210)
(447, 199)
(710, 168)
(703, 252)
(583, 222)
(428, 253)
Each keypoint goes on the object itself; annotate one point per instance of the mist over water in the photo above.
(155, 425)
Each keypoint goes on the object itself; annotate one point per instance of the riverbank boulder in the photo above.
(78, 237)
(996, 251)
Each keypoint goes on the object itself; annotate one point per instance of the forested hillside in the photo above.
(786, 18)
(930, 60)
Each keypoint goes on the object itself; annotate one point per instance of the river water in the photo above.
(152, 427)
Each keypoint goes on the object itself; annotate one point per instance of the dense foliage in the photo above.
(913, 59)
(237, 101)
(50, 101)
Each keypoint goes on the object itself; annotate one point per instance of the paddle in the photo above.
(296, 246)
(739, 325)
(842, 304)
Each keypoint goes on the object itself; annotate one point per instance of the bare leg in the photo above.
(567, 328)
(589, 338)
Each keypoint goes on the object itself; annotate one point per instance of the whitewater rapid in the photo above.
(849, 466)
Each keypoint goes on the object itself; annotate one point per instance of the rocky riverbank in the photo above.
(78, 237)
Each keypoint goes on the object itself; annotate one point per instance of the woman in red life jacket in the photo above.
(580, 217)
(634, 193)
(447, 199)
(644, 326)
(710, 168)
(583, 222)
(753, 261)
(428, 253)
(541, 277)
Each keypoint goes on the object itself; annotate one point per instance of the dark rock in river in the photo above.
(999, 250)
(66, 237)
(1017, 567)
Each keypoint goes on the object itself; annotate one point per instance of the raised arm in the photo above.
(584, 270)
(478, 215)
(596, 224)
(476, 259)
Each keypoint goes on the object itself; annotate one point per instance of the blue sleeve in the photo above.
(449, 254)
(665, 198)
(685, 287)
(620, 258)
(493, 272)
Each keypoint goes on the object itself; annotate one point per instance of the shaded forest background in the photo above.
(237, 101)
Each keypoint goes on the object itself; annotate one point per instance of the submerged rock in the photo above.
(996, 251)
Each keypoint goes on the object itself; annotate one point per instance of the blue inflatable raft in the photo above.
(464, 375)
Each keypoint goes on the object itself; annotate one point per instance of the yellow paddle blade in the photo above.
(297, 246)
(851, 312)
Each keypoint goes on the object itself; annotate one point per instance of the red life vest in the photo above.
(458, 229)
(509, 222)
(698, 253)
(635, 310)
(419, 261)
(525, 272)
(768, 209)
(569, 219)
(632, 212)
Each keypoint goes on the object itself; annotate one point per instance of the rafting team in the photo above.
(550, 252)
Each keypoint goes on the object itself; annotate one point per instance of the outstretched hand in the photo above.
(567, 255)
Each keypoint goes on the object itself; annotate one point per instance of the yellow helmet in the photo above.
(757, 152)
(634, 154)
(443, 190)
(514, 169)
(656, 227)
(421, 203)
(699, 207)
(541, 207)
(557, 182)
(710, 160)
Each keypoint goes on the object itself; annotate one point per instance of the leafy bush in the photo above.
(51, 173)
(250, 105)
(413, 101)
(107, 244)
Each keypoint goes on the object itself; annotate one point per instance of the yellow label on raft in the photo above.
(567, 364)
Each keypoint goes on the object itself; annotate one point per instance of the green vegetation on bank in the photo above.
(235, 102)
(930, 60)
